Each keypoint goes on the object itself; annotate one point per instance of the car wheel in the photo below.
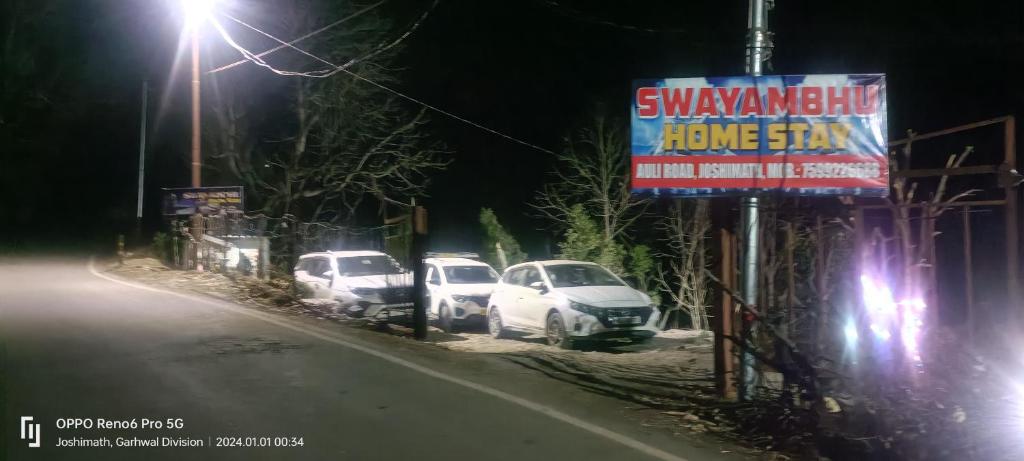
(444, 318)
(556, 333)
(494, 324)
(356, 311)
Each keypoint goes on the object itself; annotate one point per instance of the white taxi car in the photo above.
(365, 283)
(569, 301)
(458, 290)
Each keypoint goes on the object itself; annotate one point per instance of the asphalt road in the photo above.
(76, 345)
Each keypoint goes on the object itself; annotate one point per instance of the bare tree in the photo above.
(916, 253)
(338, 141)
(683, 276)
(593, 172)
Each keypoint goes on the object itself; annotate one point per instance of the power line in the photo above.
(576, 14)
(335, 69)
(315, 32)
(384, 46)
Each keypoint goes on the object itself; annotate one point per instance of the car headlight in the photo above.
(459, 298)
(362, 291)
(589, 310)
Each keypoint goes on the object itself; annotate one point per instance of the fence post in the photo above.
(174, 248)
(196, 229)
(263, 270)
(968, 273)
(724, 333)
(1010, 222)
(120, 248)
(820, 282)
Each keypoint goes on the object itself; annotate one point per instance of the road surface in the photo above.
(78, 345)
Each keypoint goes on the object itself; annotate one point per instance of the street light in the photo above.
(196, 13)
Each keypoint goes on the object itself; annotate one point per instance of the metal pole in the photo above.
(142, 160)
(748, 273)
(196, 162)
(757, 36)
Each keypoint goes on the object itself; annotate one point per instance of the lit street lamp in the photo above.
(196, 12)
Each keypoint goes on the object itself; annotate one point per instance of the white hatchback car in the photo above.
(569, 301)
(458, 290)
(365, 283)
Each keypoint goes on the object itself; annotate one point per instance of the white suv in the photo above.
(365, 283)
(458, 289)
(569, 301)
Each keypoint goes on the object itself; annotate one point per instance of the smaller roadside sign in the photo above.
(203, 200)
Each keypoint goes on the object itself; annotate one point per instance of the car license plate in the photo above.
(634, 320)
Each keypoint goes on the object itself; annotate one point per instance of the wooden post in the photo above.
(120, 248)
(933, 260)
(725, 371)
(821, 265)
(174, 249)
(263, 269)
(419, 236)
(860, 238)
(860, 261)
(790, 276)
(1012, 244)
(968, 274)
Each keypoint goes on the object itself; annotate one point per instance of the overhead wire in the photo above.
(324, 73)
(576, 14)
(344, 68)
(301, 38)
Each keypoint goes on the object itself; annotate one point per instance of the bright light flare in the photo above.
(197, 11)
(881, 333)
(850, 332)
(878, 297)
(888, 316)
(912, 321)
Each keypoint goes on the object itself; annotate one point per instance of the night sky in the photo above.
(533, 69)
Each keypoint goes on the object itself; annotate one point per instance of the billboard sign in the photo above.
(203, 200)
(794, 134)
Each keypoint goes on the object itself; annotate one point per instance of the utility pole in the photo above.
(419, 283)
(142, 161)
(196, 159)
(757, 42)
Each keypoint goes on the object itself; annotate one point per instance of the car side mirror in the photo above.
(539, 286)
(329, 275)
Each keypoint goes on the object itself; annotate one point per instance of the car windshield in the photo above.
(470, 274)
(580, 275)
(356, 266)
